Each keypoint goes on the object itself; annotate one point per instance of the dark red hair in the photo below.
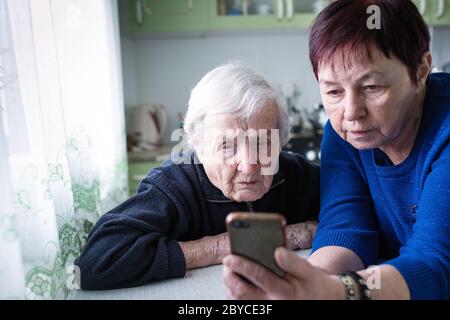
(341, 28)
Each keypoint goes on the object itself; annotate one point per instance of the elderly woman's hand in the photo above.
(300, 235)
(302, 280)
(209, 250)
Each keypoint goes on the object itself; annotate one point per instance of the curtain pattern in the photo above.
(62, 139)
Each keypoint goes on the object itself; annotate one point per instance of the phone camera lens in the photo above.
(240, 224)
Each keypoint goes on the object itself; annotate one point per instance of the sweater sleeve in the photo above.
(136, 242)
(346, 216)
(424, 261)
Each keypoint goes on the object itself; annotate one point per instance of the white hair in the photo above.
(235, 89)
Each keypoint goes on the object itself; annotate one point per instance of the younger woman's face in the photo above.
(369, 103)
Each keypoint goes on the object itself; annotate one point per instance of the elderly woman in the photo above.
(385, 170)
(176, 221)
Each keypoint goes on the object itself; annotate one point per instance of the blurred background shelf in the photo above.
(181, 16)
(142, 162)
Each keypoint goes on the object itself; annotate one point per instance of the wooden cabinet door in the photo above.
(424, 9)
(164, 16)
(440, 12)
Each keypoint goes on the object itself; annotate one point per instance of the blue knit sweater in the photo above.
(400, 213)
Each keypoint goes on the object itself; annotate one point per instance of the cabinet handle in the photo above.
(289, 9)
(423, 7)
(245, 7)
(440, 9)
(280, 9)
(148, 10)
(139, 13)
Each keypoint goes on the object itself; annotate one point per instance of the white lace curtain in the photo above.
(62, 138)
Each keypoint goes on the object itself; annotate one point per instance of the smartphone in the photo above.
(256, 236)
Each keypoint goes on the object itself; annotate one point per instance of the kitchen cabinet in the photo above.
(435, 12)
(440, 12)
(171, 16)
(424, 10)
(302, 13)
(308, 146)
(138, 170)
(167, 16)
(178, 16)
(262, 14)
(141, 162)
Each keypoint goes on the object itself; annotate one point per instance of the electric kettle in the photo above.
(147, 125)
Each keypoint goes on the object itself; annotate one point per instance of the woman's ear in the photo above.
(424, 69)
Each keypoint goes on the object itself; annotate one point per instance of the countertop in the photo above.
(159, 154)
(198, 284)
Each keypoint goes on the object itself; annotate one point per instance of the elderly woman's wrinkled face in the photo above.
(235, 155)
(369, 103)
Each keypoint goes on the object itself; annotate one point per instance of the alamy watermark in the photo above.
(374, 20)
(230, 147)
(73, 277)
(374, 280)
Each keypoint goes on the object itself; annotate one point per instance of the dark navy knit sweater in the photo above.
(138, 241)
(401, 212)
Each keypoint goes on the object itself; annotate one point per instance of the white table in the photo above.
(198, 284)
